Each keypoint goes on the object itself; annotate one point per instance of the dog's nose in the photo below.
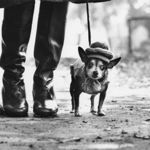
(95, 74)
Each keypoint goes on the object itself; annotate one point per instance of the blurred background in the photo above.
(124, 24)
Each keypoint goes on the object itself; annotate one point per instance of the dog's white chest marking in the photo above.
(91, 86)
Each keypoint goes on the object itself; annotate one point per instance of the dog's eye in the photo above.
(102, 67)
(90, 65)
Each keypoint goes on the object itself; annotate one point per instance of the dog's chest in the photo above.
(90, 86)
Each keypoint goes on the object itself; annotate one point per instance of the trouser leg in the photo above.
(48, 48)
(16, 30)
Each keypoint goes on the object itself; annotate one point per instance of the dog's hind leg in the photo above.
(72, 97)
(92, 104)
(76, 98)
(72, 88)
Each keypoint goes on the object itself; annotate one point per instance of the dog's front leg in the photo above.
(76, 98)
(101, 100)
(92, 104)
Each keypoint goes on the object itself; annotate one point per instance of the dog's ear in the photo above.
(113, 62)
(82, 54)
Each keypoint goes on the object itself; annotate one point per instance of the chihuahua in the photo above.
(90, 75)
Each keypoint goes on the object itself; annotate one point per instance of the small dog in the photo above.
(90, 75)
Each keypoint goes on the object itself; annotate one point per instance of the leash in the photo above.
(88, 22)
(87, 10)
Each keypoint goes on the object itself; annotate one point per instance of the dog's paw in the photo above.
(101, 113)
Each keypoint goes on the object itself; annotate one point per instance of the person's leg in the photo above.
(16, 30)
(48, 47)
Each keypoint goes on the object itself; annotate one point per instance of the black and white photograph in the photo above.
(75, 74)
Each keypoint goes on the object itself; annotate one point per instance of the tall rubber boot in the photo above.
(16, 30)
(48, 48)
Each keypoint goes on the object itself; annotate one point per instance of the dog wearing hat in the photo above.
(90, 75)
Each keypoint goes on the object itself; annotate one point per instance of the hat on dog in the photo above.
(99, 51)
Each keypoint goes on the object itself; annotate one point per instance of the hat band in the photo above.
(99, 57)
(99, 51)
